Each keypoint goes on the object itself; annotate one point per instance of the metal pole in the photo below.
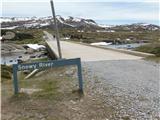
(80, 76)
(15, 79)
(57, 32)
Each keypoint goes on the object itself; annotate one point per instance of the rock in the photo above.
(73, 102)
(29, 91)
(61, 75)
(69, 72)
(75, 109)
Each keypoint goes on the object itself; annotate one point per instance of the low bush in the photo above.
(150, 48)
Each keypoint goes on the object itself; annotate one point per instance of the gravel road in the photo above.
(86, 53)
(131, 86)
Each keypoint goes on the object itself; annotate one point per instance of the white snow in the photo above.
(35, 46)
(128, 39)
(100, 44)
(105, 26)
(69, 25)
(5, 20)
(80, 31)
(156, 28)
(31, 25)
(9, 28)
(92, 23)
(44, 24)
(15, 19)
(105, 31)
(46, 18)
(67, 38)
(143, 24)
(59, 19)
(22, 19)
(110, 31)
(77, 19)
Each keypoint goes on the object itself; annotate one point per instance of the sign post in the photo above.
(15, 79)
(48, 64)
(80, 76)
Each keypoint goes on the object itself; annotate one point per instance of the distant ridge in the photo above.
(69, 22)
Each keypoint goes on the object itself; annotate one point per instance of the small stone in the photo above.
(61, 75)
(73, 102)
(74, 109)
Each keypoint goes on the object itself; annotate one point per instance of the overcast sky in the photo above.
(102, 11)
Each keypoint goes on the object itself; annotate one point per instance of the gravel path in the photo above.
(129, 84)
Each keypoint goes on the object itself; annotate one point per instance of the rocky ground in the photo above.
(132, 87)
(53, 95)
(113, 90)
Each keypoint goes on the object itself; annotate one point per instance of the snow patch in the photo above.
(100, 44)
(105, 26)
(91, 23)
(60, 19)
(77, 19)
(10, 28)
(44, 24)
(35, 46)
(105, 31)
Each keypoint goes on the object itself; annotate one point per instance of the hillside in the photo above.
(29, 30)
(72, 23)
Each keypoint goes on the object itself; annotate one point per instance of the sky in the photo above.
(102, 11)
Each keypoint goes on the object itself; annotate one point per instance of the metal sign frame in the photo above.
(44, 65)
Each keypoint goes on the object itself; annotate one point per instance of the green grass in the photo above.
(30, 41)
(153, 48)
(19, 97)
(87, 37)
(98, 37)
(153, 58)
(27, 36)
(49, 85)
(49, 90)
(6, 72)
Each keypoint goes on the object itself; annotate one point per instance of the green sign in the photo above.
(44, 65)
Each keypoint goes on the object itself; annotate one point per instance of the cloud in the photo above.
(138, 11)
(111, 11)
(130, 1)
